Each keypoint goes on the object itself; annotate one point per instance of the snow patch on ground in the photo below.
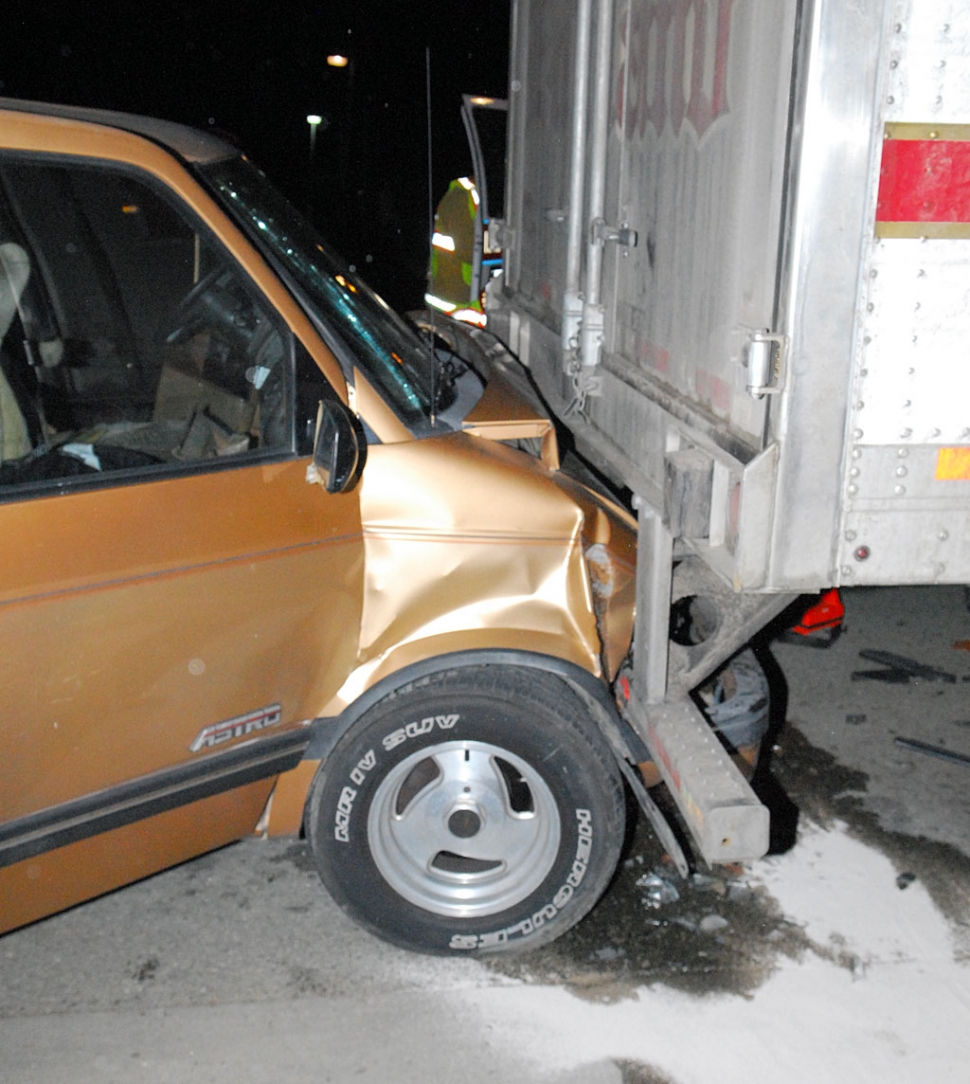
(879, 999)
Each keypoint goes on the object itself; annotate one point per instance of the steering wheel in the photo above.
(191, 309)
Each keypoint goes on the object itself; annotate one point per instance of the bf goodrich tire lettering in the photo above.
(478, 811)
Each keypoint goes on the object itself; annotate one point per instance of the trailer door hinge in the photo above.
(764, 358)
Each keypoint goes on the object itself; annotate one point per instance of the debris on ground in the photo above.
(657, 890)
(933, 751)
(899, 670)
(713, 923)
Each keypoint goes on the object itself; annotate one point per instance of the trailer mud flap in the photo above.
(725, 818)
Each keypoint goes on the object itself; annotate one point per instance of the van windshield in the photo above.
(384, 346)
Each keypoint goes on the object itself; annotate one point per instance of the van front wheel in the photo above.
(475, 812)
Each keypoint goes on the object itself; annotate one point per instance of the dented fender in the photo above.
(475, 551)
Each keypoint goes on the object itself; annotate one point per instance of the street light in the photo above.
(314, 120)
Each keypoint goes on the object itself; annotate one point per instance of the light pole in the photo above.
(346, 124)
(314, 120)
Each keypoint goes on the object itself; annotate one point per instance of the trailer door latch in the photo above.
(623, 235)
(764, 358)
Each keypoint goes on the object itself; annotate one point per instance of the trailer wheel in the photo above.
(476, 812)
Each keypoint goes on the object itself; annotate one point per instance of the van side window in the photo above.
(129, 340)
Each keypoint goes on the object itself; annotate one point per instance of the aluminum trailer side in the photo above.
(736, 253)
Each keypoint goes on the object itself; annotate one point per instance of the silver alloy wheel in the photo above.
(464, 829)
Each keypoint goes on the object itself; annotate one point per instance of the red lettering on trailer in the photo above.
(673, 66)
(711, 389)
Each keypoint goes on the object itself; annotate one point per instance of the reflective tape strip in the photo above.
(440, 303)
(924, 182)
(953, 464)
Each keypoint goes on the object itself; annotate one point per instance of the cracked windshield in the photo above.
(368, 333)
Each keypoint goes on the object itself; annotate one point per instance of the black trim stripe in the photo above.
(149, 795)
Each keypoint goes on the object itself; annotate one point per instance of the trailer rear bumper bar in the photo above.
(726, 819)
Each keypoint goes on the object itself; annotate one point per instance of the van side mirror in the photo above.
(339, 448)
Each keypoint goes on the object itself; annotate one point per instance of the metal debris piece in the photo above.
(933, 751)
(685, 922)
(704, 883)
(890, 677)
(899, 669)
(657, 890)
(713, 923)
(607, 954)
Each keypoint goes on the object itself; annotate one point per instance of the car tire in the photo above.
(476, 812)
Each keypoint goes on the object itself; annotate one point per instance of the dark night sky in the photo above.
(255, 70)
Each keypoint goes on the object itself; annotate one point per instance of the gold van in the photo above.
(273, 561)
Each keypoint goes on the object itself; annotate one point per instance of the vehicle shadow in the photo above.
(765, 783)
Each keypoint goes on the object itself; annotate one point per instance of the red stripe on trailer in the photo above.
(924, 180)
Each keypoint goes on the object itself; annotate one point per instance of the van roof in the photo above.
(189, 143)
